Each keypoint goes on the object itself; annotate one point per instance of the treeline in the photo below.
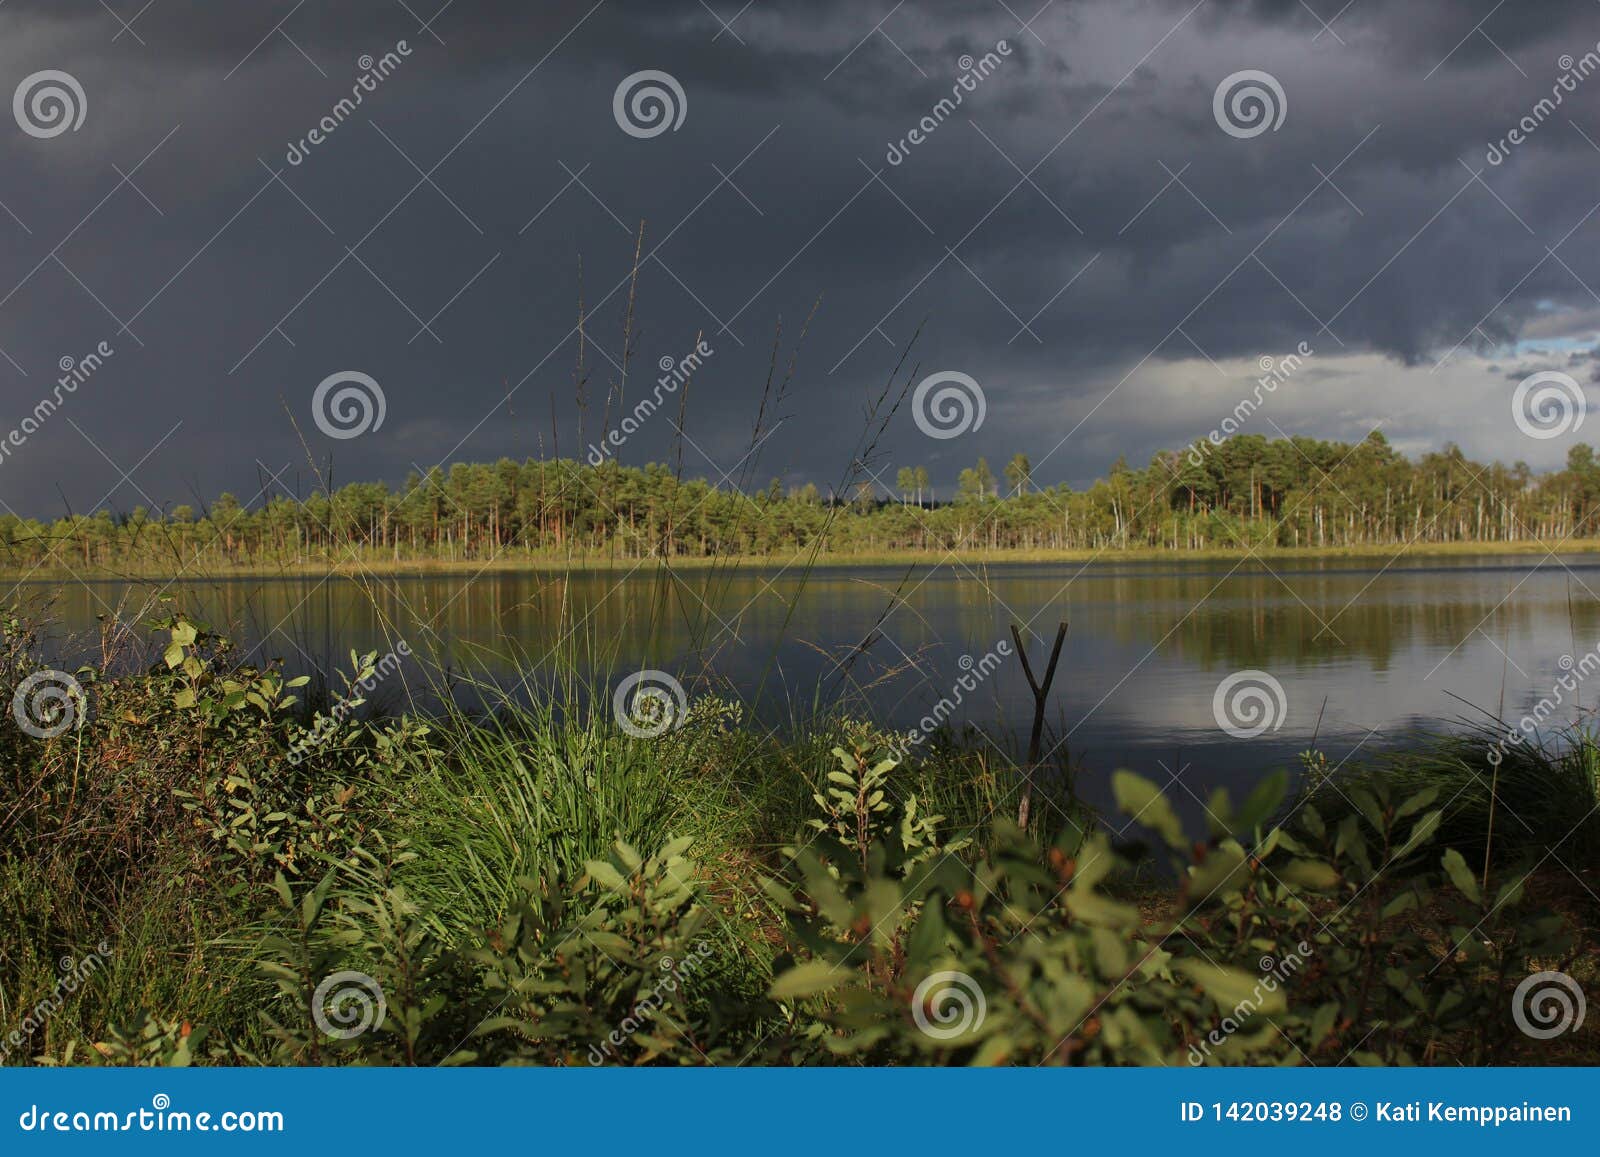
(1295, 492)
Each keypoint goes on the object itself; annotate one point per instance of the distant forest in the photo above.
(1246, 492)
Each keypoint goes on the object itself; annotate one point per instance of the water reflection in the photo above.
(1366, 653)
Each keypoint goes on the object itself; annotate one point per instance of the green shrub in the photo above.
(497, 889)
(1508, 799)
(1021, 957)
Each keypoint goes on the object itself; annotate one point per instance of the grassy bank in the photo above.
(197, 867)
(381, 564)
(1505, 797)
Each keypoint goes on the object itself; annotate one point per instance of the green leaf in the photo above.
(1404, 902)
(928, 935)
(1231, 988)
(1278, 838)
(1221, 874)
(824, 891)
(1510, 894)
(605, 875)
(1140, 799)
(1401, 982)
(1417, 802)
(808, 979)
(881, 902)
(1097, 910)
(1351, 842)
(673, 848)
(1262, 802)
(1322, 1022)
(1313, 874)
(1369, 806)
(1461, 875)
(779, 895)
(1110, 952)
(994, 1051)
(1219, 813)
(1311, 820)
(1420, 834)
(1095, 862)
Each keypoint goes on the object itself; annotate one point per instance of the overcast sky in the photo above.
(1082, 236)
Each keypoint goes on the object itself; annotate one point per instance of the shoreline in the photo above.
(450, 568)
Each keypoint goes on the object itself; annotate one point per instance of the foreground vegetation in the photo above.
(199, 868)
(1247, 493)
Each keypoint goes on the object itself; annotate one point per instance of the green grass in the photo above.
(1541, 798)
(536, 786)
(526, 791)
(379, 563)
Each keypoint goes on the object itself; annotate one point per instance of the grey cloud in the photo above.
(1198, 253)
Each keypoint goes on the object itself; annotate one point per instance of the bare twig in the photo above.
(1041, 699)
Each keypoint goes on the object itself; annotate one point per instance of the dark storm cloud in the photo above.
(1078, 224)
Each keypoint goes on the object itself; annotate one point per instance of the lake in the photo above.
(1366, 654)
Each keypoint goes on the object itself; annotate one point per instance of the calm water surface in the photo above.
(1366, 654)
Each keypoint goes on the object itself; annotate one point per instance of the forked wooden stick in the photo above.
(1041, 698)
